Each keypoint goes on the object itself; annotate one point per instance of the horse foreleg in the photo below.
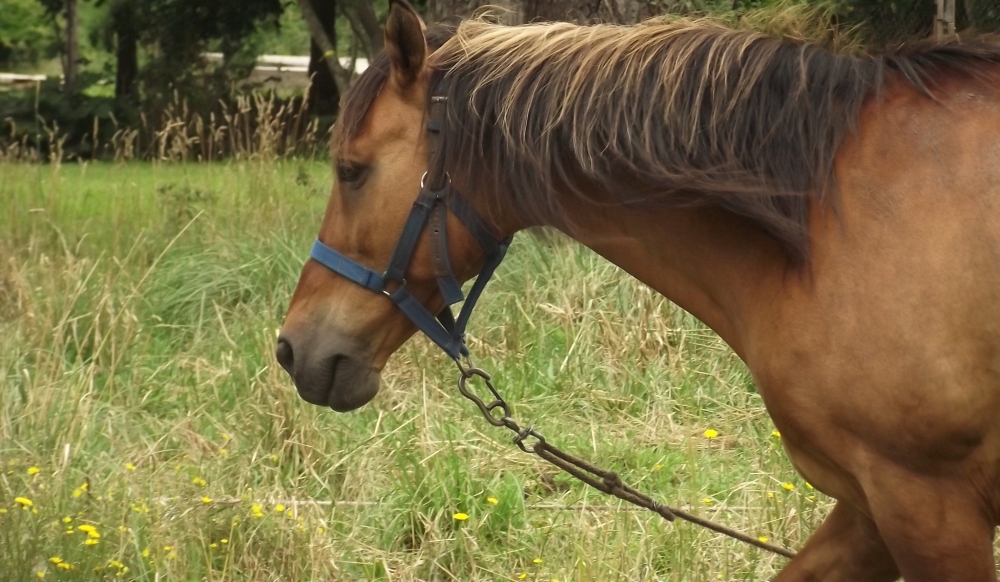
(935, 527)
(846, 547)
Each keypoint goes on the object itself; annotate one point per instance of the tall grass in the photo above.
(139, 396)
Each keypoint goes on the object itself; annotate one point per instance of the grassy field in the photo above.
(146, 432)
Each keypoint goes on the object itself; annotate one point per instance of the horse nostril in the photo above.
(283, 352)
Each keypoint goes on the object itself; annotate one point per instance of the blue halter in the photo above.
(432, 205)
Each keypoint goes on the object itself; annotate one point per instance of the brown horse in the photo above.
(834, 217)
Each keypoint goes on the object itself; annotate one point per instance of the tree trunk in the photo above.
(71, 67)
(363, 16)
(127, 39)
(321, 16)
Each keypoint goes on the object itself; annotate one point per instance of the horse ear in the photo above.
(404, 43)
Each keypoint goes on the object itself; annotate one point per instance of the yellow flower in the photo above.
(145, 553)
(657, 467)
(809, 486)
(90, 542)
(116, 564)
(279, 508)
(257, 510)
(708, 501)
(223, 452)
(522, 576)
(55, 559)
(86, 528)
(67, 519)
(206, 499)
(34, 470)
(122, 528)
(80, 490)
(537, 561)
(788, 486)
(225, 541)
(763, 539)
(213, 545)
(770, 494)
(64, 566)
(711, 433)
(130, 466)
(70, 531)
(492, 500)
(24, 502)
(776, 434)
(3, 510)
(40, 573)
(167, 548)
(461, 516)
(199, 481)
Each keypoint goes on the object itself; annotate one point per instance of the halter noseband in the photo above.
(436, 198)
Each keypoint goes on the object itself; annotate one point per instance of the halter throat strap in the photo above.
(436, 198)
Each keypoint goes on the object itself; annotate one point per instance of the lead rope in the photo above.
(600, 479)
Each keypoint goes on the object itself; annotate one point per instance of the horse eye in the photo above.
(348, 172)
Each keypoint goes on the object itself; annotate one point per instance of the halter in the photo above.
(437, 196)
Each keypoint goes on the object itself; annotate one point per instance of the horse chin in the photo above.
(343, 383)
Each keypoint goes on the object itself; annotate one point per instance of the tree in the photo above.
(324, 92)
(68, 9)
(123, 16)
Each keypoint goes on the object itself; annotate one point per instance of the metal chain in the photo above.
(497, 412)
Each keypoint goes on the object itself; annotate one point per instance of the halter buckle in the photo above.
(423, 179)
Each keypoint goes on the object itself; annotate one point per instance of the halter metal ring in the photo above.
(447, 179)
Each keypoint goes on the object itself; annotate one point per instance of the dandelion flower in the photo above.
(226, 541)
(199, 481)
(40, 573)
(809, 486)
(3, 510)
(762, 539)
(492, 500)
(257, 510)
(167, 548)
(67, 519)
(55, 560)
(223, 452)
(537, 561)
(206, 500)
(461, 516)
(34, 470)
(770, 494)
(213, 545)
(522, 576)
(130, 466)
(788, 486)
(86, 528)
(708, 501)
(70, 531)
(64, 566)
(280, 508)
(24, 502)
(657, 467)
(711, 433)
(90, 542)
(145, 553)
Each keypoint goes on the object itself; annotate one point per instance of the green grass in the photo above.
(138, 310)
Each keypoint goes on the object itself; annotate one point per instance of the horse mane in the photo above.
(665, 113)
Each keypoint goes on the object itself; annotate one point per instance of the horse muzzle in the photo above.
(328, 376)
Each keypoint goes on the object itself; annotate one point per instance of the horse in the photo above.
(833, 215)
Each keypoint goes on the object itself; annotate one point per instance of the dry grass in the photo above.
(138, 306)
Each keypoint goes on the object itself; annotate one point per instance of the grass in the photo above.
(139, 396)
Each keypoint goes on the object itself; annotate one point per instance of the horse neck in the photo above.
(711, 263)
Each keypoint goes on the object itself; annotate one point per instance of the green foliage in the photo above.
(26, 33)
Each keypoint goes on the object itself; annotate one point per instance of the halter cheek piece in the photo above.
(436, 198)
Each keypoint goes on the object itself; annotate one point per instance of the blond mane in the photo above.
(665, 113)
